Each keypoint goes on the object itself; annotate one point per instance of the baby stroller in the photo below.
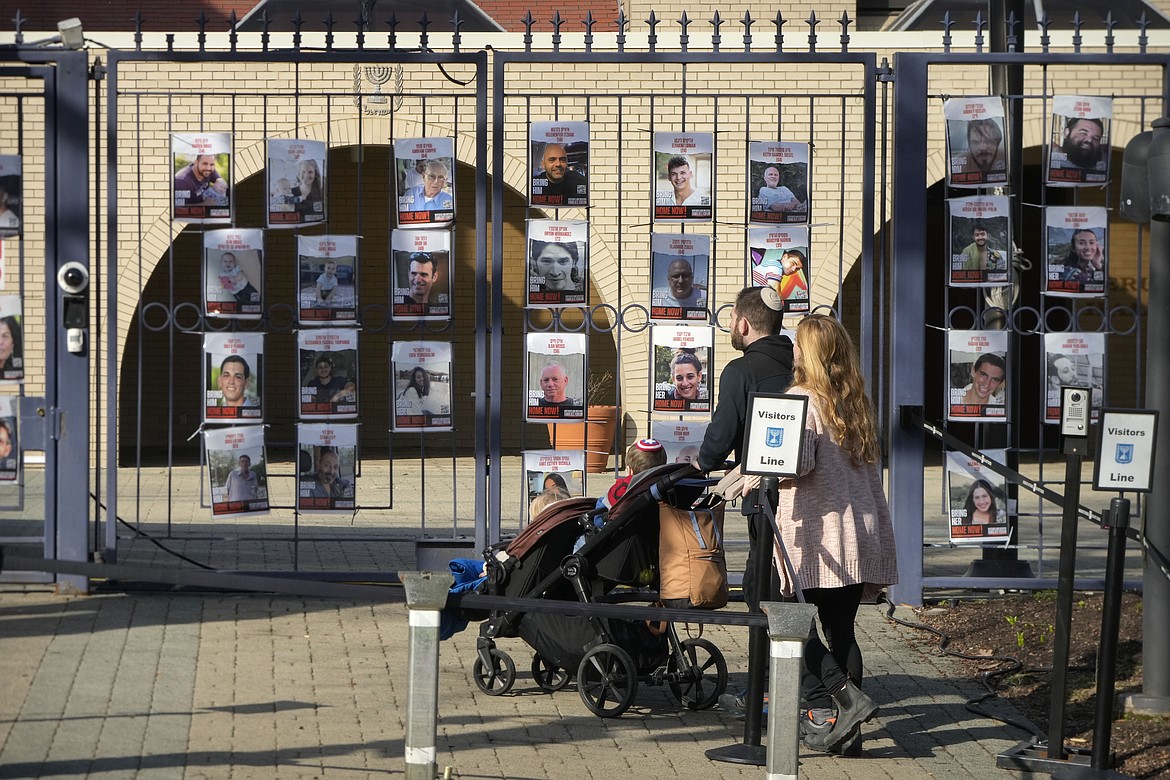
(617, 562)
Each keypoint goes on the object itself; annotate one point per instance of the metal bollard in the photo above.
(788, 628)
(426, 595)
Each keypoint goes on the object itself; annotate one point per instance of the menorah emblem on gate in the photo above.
(378, 75)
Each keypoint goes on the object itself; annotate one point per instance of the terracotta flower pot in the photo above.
(594, 436)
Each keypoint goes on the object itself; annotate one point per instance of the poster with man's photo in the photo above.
(326, 467)
(555, 377)
(779, 259)
(980, 240)
(977, 362)
(9, 446)
(680, 438)
(11, 181)
(1078, 154)
(237, 470)
(425, 169)
(1076, 260)
(1073, 360)
(233, 371)
(233, 273)
(557, 474)
(327, 279)
(201, 166)
(976, 141)
(296, 182)
(558, 262)
(681, 356)
(976, 499)
(684, 176)
(11, 338)
(422, 274)
(778, 182)
(680, 268)
(422, 385)
(559, 155)
(328, 360)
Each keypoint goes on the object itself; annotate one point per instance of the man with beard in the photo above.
(193, 185)
(328, 482)
(329, 388)
(558, 182)
(978, 256)
(680, 287)
(1081, 144)
(984, 147)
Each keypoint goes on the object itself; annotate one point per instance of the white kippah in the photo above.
(771, 299)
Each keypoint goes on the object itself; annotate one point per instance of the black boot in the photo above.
(853, 709)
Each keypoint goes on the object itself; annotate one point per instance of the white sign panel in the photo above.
(774, 434)
(1125, 451)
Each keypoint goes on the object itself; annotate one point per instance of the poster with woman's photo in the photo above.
(1078, 154)
(201, 165)
(328, 360)
(557, 474)
(11, 338)
(233, 370)
(779, 259)
(425, 169)
(976, 142)
(555, 377)
(10, 188)
(680, 438)
(1076, 262)
(684, 176)
(296, 182)
(559, 154)
(327, 279)
(233, 273)
(326, 467)
(681, 356)
(1073, 360)
(778, 182)
(237, 469)
(422, 385)
(680, 268)
(422, 274)
(9, 446)
(980, 240)
(977, 362)
(558, 262)
(976, 499)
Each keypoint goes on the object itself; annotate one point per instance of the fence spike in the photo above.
(622, 22)
(652, 39)
(456, 30)
(779, 21)
(556, 23)
(423, 37)
(202, 24)
(844, 21)
(947, 24)
(265, 36)
(1143, 39)
(716, 22)
(1012, 39)
(170, 42)
(1045, 38)
(684, 39)
(528, 22)
(138, 20)
(589, 22)
(747, 23)
(329, 22)
(392, 38)
(1109, 25)
(980, 23)
(812, 31)
(19, 21)
(298, 22)
(1076, 39)
(361, 21)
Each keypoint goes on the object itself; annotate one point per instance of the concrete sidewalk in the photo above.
(147, 685)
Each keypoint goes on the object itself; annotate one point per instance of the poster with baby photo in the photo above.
(326, 467)
(684, 176)
(976, 499)
(555, 377)
(202, 169)
(976, 141)
(327, 284)
(558, 262)
(422, 385)
(980, 240)
(9, 446)
(680, 438)
(328, 360)
(779, 259)
(10, 189)
(1078, 154)
(11, 338)
(233, 273)
(422, 274)
(551, 476)
(977, 362)
(237, 469)
(778, 182)
(559, 154)
(1075, 263)
(296, 182)
(233, 370)
(1073, 360)
(679, 267)
(425, 170)
(681, 358)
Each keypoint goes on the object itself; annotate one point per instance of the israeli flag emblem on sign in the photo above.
(775, 437)
(1125, 453)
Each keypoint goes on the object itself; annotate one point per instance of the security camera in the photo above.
(1075, 397)
(73, 278)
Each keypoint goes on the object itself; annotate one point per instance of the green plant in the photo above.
(1014, 622)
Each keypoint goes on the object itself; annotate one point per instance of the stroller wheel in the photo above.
(607, 680)
(499, 679)
(549, 677)
(699, 683)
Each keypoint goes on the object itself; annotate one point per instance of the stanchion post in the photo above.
(426, 595)
(788, 630)
(1118, 520)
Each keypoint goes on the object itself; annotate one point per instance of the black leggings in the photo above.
(827, 668)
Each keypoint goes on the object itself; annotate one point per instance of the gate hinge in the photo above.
(98, 71)
(885, 74)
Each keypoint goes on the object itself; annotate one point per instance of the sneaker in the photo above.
(815, 724)
(735, 704)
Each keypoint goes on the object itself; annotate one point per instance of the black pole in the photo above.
(1118, 520)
